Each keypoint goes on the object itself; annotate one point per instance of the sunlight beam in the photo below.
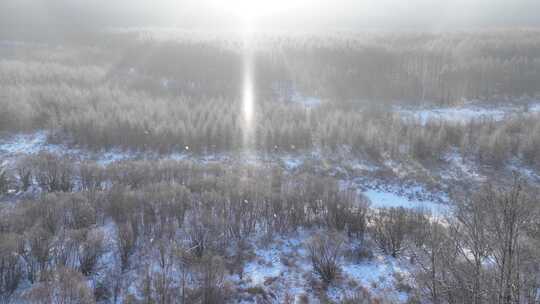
(248, 89)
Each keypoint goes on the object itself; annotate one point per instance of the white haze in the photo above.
(18, 16)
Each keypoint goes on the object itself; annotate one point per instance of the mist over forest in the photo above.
(343, 152)
(64, 16)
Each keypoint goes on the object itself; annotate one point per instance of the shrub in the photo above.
(390, 228)
(361, 296)
(65, 285)
(4, 181)
(126, 243)
(24, 170)
(90, 251)
(53, 173)
(325, 252)
(210, 277)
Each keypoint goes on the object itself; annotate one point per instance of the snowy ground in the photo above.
(297, 97)
(279, 267)
(306, 101)
(461, 168)
(15, 147)
(402, 189)
(384, 199)
(467, 112)
(522, 169)
(283, 269)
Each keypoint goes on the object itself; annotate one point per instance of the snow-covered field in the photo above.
(467, 112)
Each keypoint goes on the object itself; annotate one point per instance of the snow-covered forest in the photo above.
(143, 166)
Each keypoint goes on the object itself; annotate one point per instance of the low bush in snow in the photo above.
(325, 252)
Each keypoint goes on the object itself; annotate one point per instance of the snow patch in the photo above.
(517, 166)
(378, 276)
(466, 113)
(267, 265)
(384, 199)
(461, 168)
(306, 101)
(24, 143)
(108, 157)
(291, 162)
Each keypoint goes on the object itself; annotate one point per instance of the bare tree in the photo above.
(163, 282)
(433, 261)
(37, 253)
(65, 286)
(72, 287)
(4, 181)
(24, 170)
(391, 226)
(185, 262)
(54, 174)
(126, 243)
(92, 177)
(90, 251)
(11, 269)
(510, 213)
(210, 279)
(472, 240)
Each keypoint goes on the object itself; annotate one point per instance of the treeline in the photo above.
(176, 232)
(439, 68)
(107, 117)
(490, 142)
(172, 96)
(436, 68)
(442, 68)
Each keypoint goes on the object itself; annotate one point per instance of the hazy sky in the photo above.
(426, 15)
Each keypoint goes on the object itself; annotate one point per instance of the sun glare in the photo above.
(257, 8)
(248, 103)
(248, 94)
(247, 14)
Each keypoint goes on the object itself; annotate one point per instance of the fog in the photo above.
(269, 151)
(38, 16)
